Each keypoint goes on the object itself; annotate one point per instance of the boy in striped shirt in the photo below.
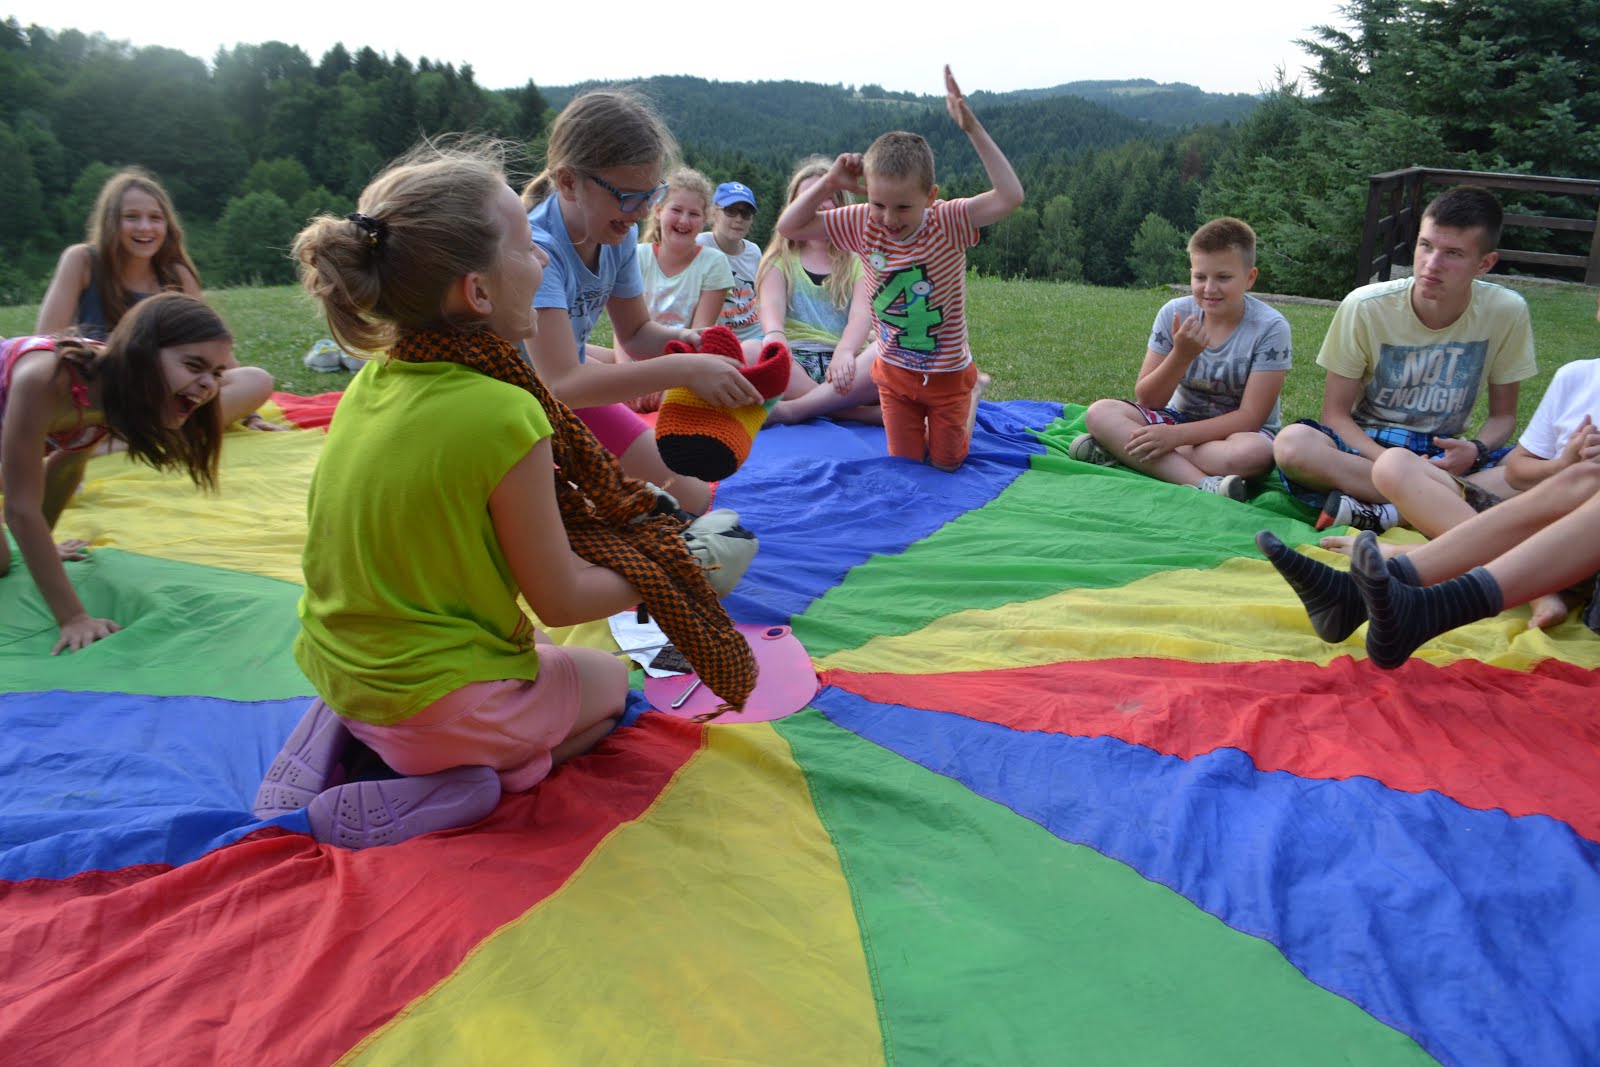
(913, 249)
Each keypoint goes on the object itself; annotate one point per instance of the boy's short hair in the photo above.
(1219, 235)
(899, 154)
(1468, 207)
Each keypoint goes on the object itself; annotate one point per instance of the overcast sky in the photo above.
(1221, 48)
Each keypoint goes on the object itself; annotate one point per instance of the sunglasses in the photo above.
(740, 211)
(631, 202)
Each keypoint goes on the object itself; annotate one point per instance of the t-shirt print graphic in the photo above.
(1426, 388)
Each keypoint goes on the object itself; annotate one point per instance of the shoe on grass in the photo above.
(1341, 509)
(1229, 485)
(1085, 449)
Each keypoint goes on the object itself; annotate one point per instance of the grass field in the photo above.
(1039, 340)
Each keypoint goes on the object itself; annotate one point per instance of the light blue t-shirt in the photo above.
(569, 283)
(1214, 383)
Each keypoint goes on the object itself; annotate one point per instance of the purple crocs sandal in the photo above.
(363, 814)
(307, 764)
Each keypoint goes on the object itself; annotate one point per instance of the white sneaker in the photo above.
(1339, 509)
(723, 548)
(324, 355)
(351, 363)
(1229, 485)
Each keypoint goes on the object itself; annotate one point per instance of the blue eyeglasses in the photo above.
(631, 202)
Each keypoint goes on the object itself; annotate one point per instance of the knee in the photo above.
(1397, 469)
(1297, 446)
(1103, 415)
(251, 385)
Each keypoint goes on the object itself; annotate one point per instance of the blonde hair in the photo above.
(684, 179)
(899, 154)
(1219, 235)
(104, 238)
(599, 130)
(426, 222)
(782, 252)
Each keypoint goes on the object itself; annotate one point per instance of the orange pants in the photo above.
(926, 414)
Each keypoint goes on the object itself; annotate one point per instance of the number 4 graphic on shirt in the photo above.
(910, 288)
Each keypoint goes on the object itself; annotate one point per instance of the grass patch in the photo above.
(1039, 340)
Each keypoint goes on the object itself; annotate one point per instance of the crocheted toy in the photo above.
(707, 442)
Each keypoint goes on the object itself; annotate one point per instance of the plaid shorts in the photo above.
(1389, 437)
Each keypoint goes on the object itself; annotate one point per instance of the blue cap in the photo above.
(734, 193)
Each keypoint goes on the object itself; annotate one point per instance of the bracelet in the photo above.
(784, 332)
(1483, 451)
(252, 418)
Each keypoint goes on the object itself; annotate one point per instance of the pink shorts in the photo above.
(615, 425)
(509, 725)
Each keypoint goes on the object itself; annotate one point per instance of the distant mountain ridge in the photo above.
(775, 122)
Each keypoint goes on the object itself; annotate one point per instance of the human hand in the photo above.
(717, 381)
(956, 103)
(1188, 335)
(1583, 445)
(690, 338)
(848, 173)
(841, 372)
(1152, 442)
(83, 631)
(73, 548)
(254, 421)
(1459, 455)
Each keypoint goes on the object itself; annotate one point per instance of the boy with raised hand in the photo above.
(1406, 360)
(1205, 404)
(913, 251)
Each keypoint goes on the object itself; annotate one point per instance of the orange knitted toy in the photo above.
(707, 442)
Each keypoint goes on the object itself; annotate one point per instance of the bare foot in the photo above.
(983, 384)
(1548, 610)
(1341, 543)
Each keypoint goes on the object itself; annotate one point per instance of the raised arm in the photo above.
(1005, 193)
(1160, 374)
(801, 220)
(59, 308)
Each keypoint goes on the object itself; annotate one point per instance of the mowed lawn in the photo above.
(1039, 340)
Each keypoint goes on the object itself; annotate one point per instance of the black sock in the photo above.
(1403, 569)
(1330, 597)
(1403, 617)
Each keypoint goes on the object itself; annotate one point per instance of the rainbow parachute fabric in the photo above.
(1080, 785)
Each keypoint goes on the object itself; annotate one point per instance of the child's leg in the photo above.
(1309, 457)
(1506, 526)
(905, 416)
(1113, 422)
(1247, 454)
(602, 691)
(1427, 497)
(824, 400)
(628, 437)
(952, 404)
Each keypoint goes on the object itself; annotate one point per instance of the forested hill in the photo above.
(1169, 103)
(777, 122)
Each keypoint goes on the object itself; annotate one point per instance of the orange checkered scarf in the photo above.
(611, 519)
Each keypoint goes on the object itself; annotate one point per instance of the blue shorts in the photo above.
(1389, 437)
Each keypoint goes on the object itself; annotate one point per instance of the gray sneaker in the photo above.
(1085, 449)
(1229, 485)
(1339, 509)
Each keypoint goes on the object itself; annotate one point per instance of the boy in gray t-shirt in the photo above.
(1205, 405)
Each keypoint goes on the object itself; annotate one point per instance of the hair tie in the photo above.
(370, 226)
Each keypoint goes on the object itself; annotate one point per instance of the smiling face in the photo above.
(1219, 281)
(193, 374)
(681, 217)
(517, 271)
(898, 204)
(1447, 259)
(141, 224)
(591, 211)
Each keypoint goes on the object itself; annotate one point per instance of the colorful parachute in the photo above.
(1080, 786)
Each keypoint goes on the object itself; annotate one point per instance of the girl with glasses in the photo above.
(604, 159)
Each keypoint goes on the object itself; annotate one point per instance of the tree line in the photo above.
(264, 137)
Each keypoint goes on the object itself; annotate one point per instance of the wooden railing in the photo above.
(1394, 212)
